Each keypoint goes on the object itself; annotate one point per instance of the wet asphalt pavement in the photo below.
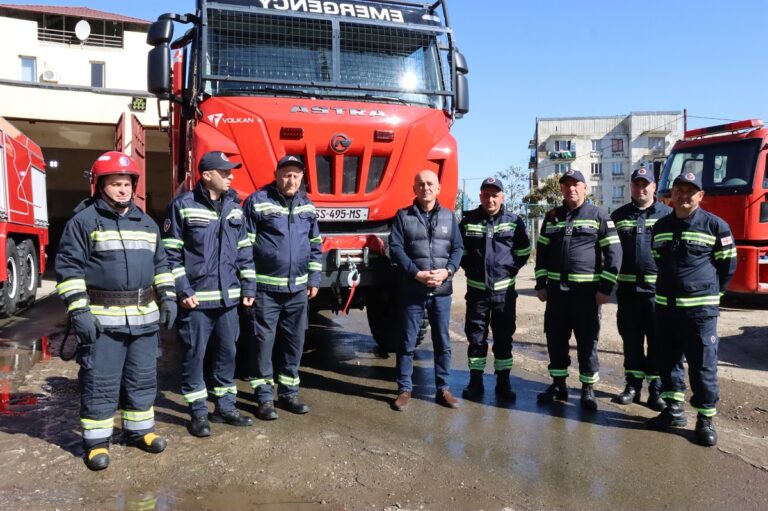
(352, 451)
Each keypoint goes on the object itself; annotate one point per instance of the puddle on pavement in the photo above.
(229, 499)
(16, 360)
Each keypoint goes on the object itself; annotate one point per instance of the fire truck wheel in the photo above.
(9, 297)
(29, 274)
(382, 320)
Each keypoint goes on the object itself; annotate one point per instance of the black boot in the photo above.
(232, 417)
(292, 404)
(199, 426)
(631, 392)
(97, 458)
(504, 390)
(266, 411)
(672, 417)
(151, 443)
(475, 388)
(557, 391)
(654, 396)
(705, 431)
(588, 401)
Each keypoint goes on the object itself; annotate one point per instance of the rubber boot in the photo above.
(654, 395)
(588, 401)
(673, 416)
(557, 391)
(151, 443)
(475, 388)
(504, 390)
(705, 431)
(631, 392)
(97, 458)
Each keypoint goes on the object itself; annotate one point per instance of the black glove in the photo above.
(168, 312)
(86, 326)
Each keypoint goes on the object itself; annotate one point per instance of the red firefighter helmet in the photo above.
(114, 162)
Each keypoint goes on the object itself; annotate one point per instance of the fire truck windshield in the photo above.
(725, 168)
(251, 53)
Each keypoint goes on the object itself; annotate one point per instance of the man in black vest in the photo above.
(426, 244)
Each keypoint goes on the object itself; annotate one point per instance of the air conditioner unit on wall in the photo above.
(50, 75)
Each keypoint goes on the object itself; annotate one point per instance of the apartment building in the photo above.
(605, 149)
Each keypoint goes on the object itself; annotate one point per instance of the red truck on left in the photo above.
(23, 219)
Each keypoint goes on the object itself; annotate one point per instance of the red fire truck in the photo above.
(23, 218)
(732, 162)
(363, 92)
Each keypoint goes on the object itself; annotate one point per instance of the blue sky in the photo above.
(583, 58)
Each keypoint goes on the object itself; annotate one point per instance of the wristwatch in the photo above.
(450, 272)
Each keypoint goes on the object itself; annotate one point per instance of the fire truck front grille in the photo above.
(345, 175)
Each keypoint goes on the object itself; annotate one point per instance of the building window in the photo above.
(656, 144)
(617, 168)
(618, 192)
(562, 168)
(97, 74)
(28, 69)
(617, 145)
(597, 169)
(596, 145)
(563, 145)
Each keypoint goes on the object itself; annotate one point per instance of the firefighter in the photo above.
(496, 246)
(636, 287)
(577, 259)
(112, 272)
(287, 248)
(426, 245)
(209, 254)
(696, 256)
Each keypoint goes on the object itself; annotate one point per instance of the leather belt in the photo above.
(140, 297)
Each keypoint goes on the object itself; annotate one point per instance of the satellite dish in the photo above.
(82, 30)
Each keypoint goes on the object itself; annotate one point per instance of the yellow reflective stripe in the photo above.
(194, 396)
(248, 274)
(244, 243)
(728, 253)
(622, 224)
(188, 213)
(207, 296)
(650, 279)
(272, 281)
(541, 273)
(302, 279)
(304, 208)
(128, 310)
(610, 240)
(663, 236)
(522, 251)
(70, 285)
(222, 391)
(123, 235)
(256, 382)
(317, 239)
(673, 396)
(252, 238)
(611, 277)
(707, 412)
(172, 243)
(543, 240)
(283, 379)
(503, 227)
(268, 207)
(163, 278)
(131, 415)
(234, 214)
(97, 424)
(77, 304)
(313, 266)
(586, 223)
(706, 239)
(476, 284)
(502, 364)
(583, 378)
(698, 301)
(178, 272)
(234, 292)
(503, 284)
(477, 363)
(626, 277)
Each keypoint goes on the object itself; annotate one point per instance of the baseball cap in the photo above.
(688, 177)
(493, 182)
(216, 160)
(642, 173)
(573, 174)
(290, 161)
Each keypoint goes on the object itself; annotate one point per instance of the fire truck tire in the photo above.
(385, 324)
(9, 298)
(29, 273)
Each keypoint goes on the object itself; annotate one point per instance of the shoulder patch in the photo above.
(610, 224)
(726, 240)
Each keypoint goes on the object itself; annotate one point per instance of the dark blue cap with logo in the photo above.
(573, 174)
(643, 173)
(216, 160)
(688, 177)
(290, 161)
(492, 182)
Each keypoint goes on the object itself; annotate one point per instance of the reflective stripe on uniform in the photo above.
(707, 412)
(522, 251)
(317, 239)
(699, 237)
(212, 296)
(223, 391)
(691, 301)
(272, 281)
(163, 278)
(726, 253)
(133, 415)
(132, 315)
(123, 240)
(97, 429)
(497, 286)
(268, 207)
(178, 272)
(256, 382)
(70, 287)
(634, 373)
(574, 277)
(313, 266)
(555, 373)
(502, 364)
(198, 213)
(302, 279)
(248, 274)
(244, 243)
(543, 240)
(477, 363)
(583, 378)
(673, 396)
(287, 380)
(194, 396)
(173, 243)
(77, 304)
(609, 240)
(611, 277)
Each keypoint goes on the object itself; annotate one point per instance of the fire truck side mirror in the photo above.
(461, 62)
(161, 31)
(461, 94)
(159, 71)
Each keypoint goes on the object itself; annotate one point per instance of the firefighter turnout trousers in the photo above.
(498, 312)
(116, 359)
(573, 311)
(637, 323)
(199, 328)
(695, 338)
(279, 323)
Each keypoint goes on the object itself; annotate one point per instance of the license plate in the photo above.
(342, 214)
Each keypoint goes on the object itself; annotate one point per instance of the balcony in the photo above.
(562, 155)
(532, 162)
(53, 35)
